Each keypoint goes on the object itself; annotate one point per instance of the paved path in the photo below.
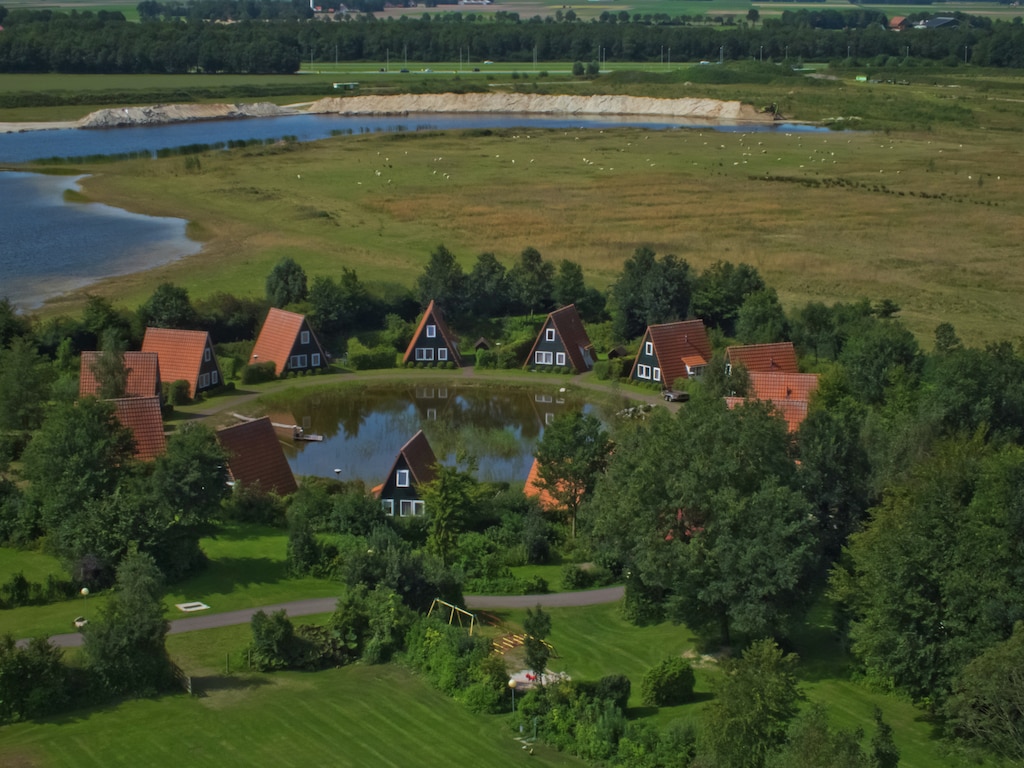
(327, 604)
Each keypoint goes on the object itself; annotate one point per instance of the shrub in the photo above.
(671, 682)
(574, 577)
(176, 392)
(257, 373)
(363, 358)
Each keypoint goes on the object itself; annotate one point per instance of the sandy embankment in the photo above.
(502, 103)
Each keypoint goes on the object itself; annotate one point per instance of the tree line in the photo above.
(259, 42)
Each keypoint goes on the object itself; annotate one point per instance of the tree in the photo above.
(488, 287)
(449, 500)
(125, 646)
(570, 456)
(25, 381)
(568, 288)
(755, 700)
(286, 283)
(109, 368)
(33, 679)
(12, 324)
(988, 698)
(537, 626)
(761, 319)
(168, 307)
(532, 282)
(812, 743)
(720, 291)
(884, 752)
(753, 15)
(650, 291)
(670, 682)
(878, 354)
(442, 281)
(303, 553)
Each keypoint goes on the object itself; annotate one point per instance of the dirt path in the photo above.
(326, 605)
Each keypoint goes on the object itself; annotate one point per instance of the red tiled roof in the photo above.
(142, 416)
(279, 334)
(181, 353)
(532, 489)
(764, 358)
(256, 458)
(783, 387)
(569, 327)
(677, 345)
(143, 374)
(433, 311)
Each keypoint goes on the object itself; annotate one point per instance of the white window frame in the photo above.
(549, 334)
(304, 337)
(649, 348)
(549, 418)
(207, 355)
(388, 505)
(424, 354)
(402, 478)
(405, 507)
(657, 374)
(560, 358)
(431, 331)
(297, 361)
(643, 371)
(214, 378)
(431, 414)
(418, 507)
(314, 360)
(442, 393)
(204, 380)
(442, 353)
(540, 357)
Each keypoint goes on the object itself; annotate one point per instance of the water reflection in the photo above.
(363, 429)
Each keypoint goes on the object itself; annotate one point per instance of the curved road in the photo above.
(327, 604)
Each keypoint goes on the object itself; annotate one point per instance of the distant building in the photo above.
(255, 457)
(763, 358)
(413, 468)
(143, 374)
(433, 342)
(184, 356)
(287, 341)
(671, 351)
(142, 416)
(789, 394)
(562, 343)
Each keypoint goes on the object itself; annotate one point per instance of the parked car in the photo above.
(675, 396)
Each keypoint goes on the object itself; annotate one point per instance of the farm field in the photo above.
(923, 218)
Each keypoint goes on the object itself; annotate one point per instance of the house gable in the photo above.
(142, 416)
(184, 355)
(671, 351)
(143, 374)
(433, 342)
(414, 466)
(562, 342)
(287, 341)
(764, 358)
(255, 457)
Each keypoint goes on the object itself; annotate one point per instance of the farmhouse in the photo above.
(433, 342)
(763, 358)
(562, 342)
(255, 457)
(184, 356)
(142, 416)
(413, 467)
(287, 341)
(143, 374)
(672, 351)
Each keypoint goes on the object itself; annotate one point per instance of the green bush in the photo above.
(176, 392)
(574, 577)
(669, 683)
(363, 358)
(257, 373)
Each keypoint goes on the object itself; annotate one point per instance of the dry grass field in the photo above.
(931, 221)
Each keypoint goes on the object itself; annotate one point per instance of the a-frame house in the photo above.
(562, 343)
(255, 457)
(287, 341)
(672, 351)
(433, 342)
(414, 466)
(143, 374)
(184, 356)
(142, 416)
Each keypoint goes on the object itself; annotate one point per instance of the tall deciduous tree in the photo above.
(442, 281)
(650, 291)
(721, 290)
(812, 743)
(286, 283)
(449, 500)
(25, 380)
(570, 456)
(532, 281)
(537, 626)
(761, 319)
(125, 646)
(109, 368)
(489, 288)
(168, 307)
(755, 701)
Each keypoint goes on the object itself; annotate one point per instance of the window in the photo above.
(549, 334)
(728, 369)
(304, 337)
(442, 393)
(413, 507)
(424, 354)
(418, 507)
(314, 360)
(549, 418)
(431, 414)
(442, 353)
(297, 361)
(204, 380)
(542, 358)
(657, 374)
(389, 506)
(405, 508)
(402, 478)
(649, 348)
(560, 358)
(643, 371)
(214, 378)
(207, 355)
(431, 331)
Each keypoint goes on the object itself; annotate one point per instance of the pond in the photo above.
(363, 429)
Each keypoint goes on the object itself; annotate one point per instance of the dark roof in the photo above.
(482, 343)
(616, 352)
(677, 345)
(419, 457)
(569, 327)
(181, 353)
(433, 311)
(255, 457)
(764, 358)
(278, 336)
(143, 374)
(936, 22)
(142, 416)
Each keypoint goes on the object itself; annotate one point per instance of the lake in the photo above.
(364, 428)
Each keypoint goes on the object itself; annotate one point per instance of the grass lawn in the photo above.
(34, 565)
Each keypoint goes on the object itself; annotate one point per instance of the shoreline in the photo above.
(441, 103)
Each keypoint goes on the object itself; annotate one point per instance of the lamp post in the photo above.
(337, 474)
(512, 683)
(85, 599)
